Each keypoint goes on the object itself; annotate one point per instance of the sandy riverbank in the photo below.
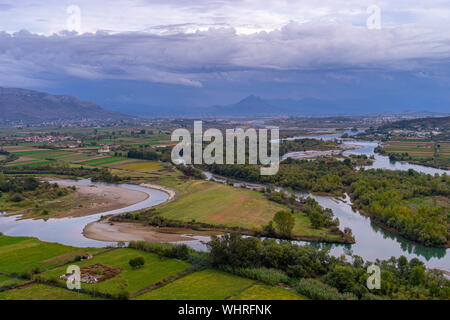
(126, 231)
(86, 200)
(97, 199)
(319, 153)
(106, 230)
(172, 193)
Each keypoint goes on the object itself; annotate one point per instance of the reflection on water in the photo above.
(372, 241)
(383, 162)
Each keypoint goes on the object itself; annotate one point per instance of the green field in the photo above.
(35, 156)
(219, 204)
(43, 292)
(159, 279)
(202, 285)
(6, 282)
(435, 153)
(146, 140)
(102, 161)
(161, 173)
(154, 270)
(263, 292)
(23, 254)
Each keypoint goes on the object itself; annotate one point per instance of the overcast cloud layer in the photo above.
(200, 44)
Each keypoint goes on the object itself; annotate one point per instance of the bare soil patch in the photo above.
(95, 273)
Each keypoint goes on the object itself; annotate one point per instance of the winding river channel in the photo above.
(372, 242)
(69, 231)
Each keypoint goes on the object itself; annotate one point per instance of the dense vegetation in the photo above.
(8, 157)
(18, 189)
(161, 153)
(15, 187)
(390, 197)
(422, 123)
(323, 175)
(190, 171)
(96, 174)
(434, 159)
(319, 216)
(317, 274)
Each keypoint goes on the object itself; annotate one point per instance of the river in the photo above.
(372, 242)
(69, 230)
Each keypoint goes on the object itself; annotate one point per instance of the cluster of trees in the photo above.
(319, 216)
(162, 249)
(333, 277)
(137, 262)
(17, 184)
(361, 159)
(104, 175)
(391, 197)
(158, 154)
(434, 161)
(18, 189)
(297, 261)
(60, 168)
(190, 171)
(284, 223)
(9, 157)
(326, 175)
(385, 194)
(146, 155)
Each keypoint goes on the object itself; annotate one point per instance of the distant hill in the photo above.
(256, 106)
(443, 123)
(251, 105)
(28, 106)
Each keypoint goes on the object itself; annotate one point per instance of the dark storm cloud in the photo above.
(190, 59)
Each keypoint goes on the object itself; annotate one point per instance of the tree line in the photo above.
(390, 197)
(315, 273)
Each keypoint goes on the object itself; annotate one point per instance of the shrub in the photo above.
(16, 198)
(180, 252)
(269, 276)
(161, 249)
(321, 291)
(136, 262)
(284, 221)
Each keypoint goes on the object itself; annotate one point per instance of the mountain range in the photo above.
(257, 106)
(28, 106)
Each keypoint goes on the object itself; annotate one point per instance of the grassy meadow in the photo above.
(219, 204)
(197, 200)
(265, 292)
(154, 270)
(160, 278)
(201, 285)
(24, 255)
(435, 153)
(43, 292)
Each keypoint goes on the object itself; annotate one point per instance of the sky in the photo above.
(185, 53)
